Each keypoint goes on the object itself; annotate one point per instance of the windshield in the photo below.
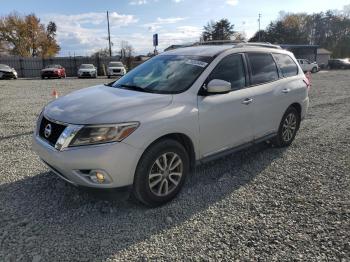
(53, 66)
(165, 74)
(4, 67)
(115, 64)
(87, 66)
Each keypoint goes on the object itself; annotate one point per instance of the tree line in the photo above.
(26, 36)
(330, 30)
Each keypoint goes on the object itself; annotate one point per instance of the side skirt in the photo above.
(234, 149)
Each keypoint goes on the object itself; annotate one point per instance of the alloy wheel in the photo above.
(289, 127)
(165, 174)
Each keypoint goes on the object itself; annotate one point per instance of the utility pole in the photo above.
(109, 36)
(259, 20)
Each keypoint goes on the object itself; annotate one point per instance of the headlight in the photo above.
(100, 134)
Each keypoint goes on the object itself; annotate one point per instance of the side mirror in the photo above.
(217, 86)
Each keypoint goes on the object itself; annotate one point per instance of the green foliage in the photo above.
(330, 30)
(220, 30)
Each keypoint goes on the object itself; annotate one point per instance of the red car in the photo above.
(50, 71)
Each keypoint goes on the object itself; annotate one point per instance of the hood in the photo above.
(7, 70)
(49, 69)
(86, 69)
(104, 105)
(115, 67)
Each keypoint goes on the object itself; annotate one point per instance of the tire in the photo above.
(109, 76)
(283, 139)
(146, 188)
(314, 70)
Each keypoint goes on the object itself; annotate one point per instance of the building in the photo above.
(308, 52)
(323, 55)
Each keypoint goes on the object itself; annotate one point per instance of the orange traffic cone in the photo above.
(54, 93)
(308, 76)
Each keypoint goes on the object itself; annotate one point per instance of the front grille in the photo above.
(7, 74)
(56, 131)
(116, 70)
(49, 73)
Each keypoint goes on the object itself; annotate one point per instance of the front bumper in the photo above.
(50, 74)
(87, 74)
(7, 75)
(117, 160)
(110, 73)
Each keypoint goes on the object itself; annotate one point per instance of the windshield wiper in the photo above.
(137, 88)
(110, 84)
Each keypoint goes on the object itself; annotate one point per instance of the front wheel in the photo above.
(314, 70)
(161, 173)
(288, 128)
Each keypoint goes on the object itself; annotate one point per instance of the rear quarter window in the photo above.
(263, 68)
(286, 64)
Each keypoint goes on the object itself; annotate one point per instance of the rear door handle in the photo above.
(247, 101)
(286, 90)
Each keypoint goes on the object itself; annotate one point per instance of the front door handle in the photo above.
(247, 101)
(286, 90)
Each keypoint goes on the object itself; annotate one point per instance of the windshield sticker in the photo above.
(196, 63)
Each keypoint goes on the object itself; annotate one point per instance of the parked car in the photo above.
(339, 63)
(87, 70)
(53, 71)
(184, 107)
(7, 72)
(115, 69)
(308, 66)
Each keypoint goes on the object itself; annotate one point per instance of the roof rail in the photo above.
(219, 42)
(258, 44)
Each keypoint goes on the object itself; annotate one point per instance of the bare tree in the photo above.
(126, 53)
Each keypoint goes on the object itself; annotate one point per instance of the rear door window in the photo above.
(230, 69)
(286, 64)
(263, 68)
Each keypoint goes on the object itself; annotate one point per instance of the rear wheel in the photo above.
(288, 128)
(161, 173)
(314, 70)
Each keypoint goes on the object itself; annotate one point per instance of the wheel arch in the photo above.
(184, 140)
(297, 107)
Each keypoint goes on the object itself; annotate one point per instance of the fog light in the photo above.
(97, 177)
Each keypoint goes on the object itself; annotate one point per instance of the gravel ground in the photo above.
(263, 203)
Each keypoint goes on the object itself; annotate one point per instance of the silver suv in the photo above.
(184, 107)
